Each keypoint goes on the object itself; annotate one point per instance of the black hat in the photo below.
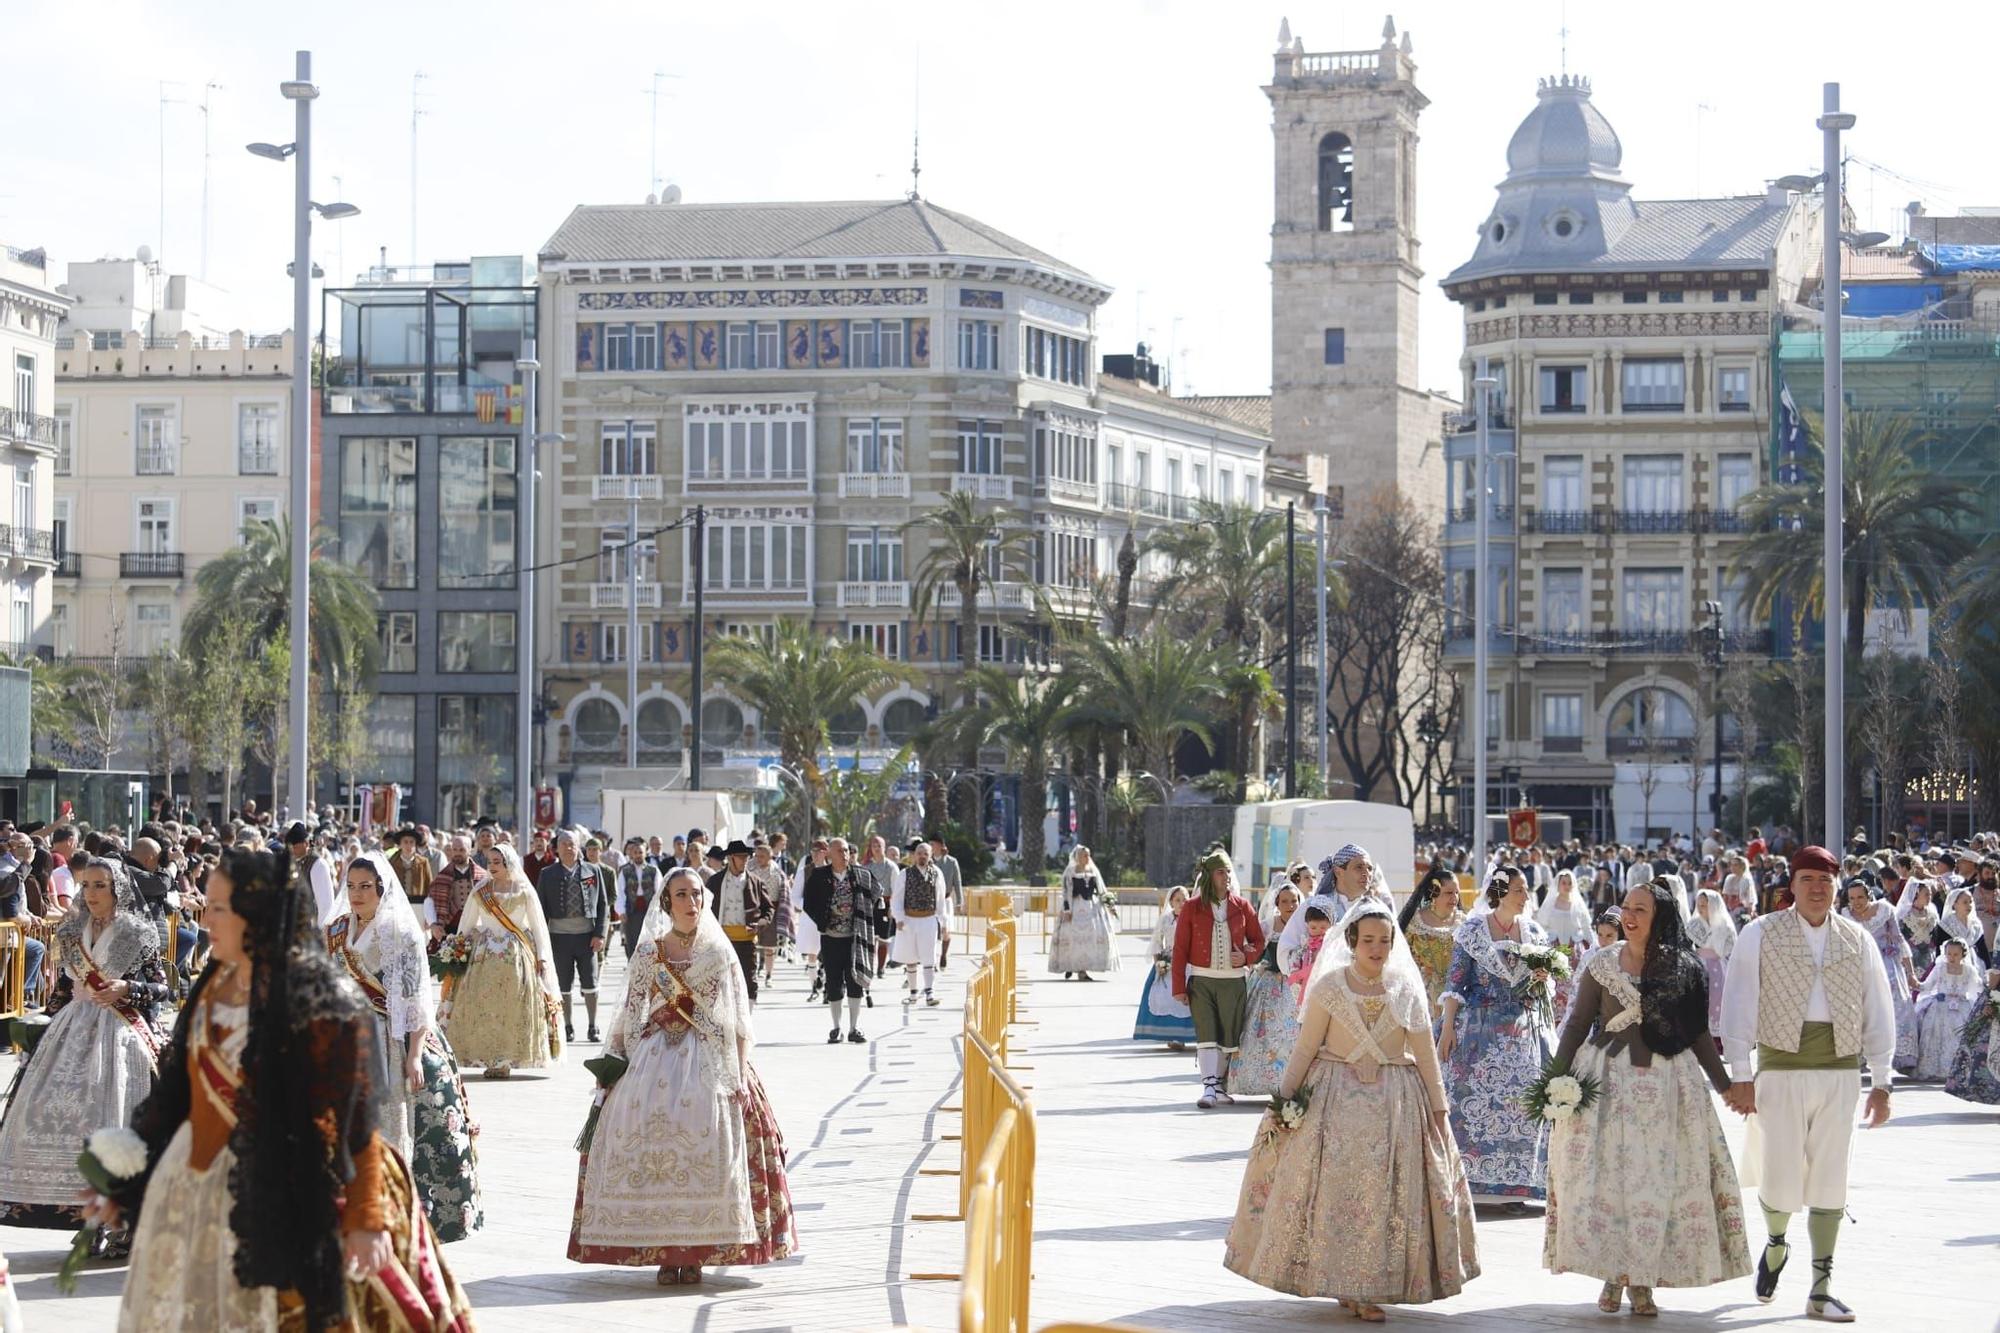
(408, 831)
(736, 847)
(297, 833)
(713, 854)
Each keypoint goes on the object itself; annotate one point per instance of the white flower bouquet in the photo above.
(1558, 1095)
(111, 1160)
(1286, 1113)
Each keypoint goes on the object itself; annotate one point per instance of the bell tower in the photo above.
(1345, 395)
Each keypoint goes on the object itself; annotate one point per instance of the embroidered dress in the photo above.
(92, 1067)
(1088, 941)
(1887, 933)
(1431, 945)
(1942, 1013)
(1714, 964)
(1161, 1016)
(500, 1009)
(1270, 1026)
(1922, 930)
(1499, 1049)
(687, 1166)
(1641, 1186)
(1975, 1065)
(1366, 1199)
(432, 1128)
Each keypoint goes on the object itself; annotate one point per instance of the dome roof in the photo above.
(1564, 136)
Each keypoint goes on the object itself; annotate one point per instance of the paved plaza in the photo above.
(1135, 1186)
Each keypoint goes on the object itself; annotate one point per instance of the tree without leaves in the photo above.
(1739, 700)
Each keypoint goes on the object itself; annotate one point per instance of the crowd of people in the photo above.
(1408, 1051)
(283, 1015)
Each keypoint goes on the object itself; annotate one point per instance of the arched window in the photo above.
(1336, 183)
(597, 726)
(721, 724)
(845, 729)
(1651, 718)
(900, 721)
(659, 728)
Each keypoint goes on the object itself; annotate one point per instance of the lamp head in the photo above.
(299, 90)
(1865, 240)
(276, 152)
(335, 212)
(1800, 183)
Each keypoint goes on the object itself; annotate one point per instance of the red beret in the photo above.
(1815, 858)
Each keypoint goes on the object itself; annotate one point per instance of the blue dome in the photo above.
(1564, 136)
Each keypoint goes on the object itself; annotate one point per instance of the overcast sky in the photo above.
(1129, 137)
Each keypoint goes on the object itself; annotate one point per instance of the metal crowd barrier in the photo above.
(13, 972)
(997, 1150)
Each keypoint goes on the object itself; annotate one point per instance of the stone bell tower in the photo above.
(1345, 395)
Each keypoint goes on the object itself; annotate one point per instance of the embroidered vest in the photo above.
(1785, 971)
(920, 895)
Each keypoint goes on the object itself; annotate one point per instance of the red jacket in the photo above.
(1194, 931)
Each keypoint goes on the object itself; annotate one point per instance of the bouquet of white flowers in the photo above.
(1285, 1113)
(1558, 1094)
(111, 1159)
(1546, 964)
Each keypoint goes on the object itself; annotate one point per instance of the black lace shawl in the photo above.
(307, 1105)
(1673, 988)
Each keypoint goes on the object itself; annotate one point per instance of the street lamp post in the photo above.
(1291, 649)
(1715, 633)
(1482, 388)
(1323, 684)
(1831, 123)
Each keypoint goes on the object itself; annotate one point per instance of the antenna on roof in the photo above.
(916, 125)
(1563, 34)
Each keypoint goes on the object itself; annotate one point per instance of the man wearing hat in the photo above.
(412, 867)
(742, 906)
(1216, 939)
(311, 869)
(1806, 990)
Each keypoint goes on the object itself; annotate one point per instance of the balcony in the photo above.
(1561, 522)
(611, 596)
(1500, 416)
(1502, 513)
(874, 485)
(29, 428)
(994, 596)
(69, 565)
(872, 594)
(1654, 522)
(984, 486)
(784, 479)
(256, 459)
(626, 488)
(28, 544)
(1072, 492)
(152, 565)
(1562, 745)
(1510, 639)
(157, 458)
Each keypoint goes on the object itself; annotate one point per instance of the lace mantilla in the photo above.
(1619, 986)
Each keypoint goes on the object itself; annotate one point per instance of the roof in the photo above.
(898, 228)
(1247, 412)
(1734, 232)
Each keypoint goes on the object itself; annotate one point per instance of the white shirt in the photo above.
(330, 906)
(1738, 1026)
(60, 884)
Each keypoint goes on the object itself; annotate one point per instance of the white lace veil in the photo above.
(1402, 982)
(1970, 981)
(1972, 928)
(1718, 931)
(400, 942)
(722, 997)
(1293, 942)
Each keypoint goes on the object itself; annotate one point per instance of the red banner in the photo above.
(1524, 827)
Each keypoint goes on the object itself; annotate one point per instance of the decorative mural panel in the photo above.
(1620, 324)
(675, 351)
(755, 298)
(832, 350)
(589, 338)
(707, 346)
(920, 342)
(979, 298)
(1054, 312)
(798, 344)
(672, 641)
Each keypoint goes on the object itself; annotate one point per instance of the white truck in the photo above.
(1269, 834)
(647, 814)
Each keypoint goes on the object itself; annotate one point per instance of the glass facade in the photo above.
(378, 508)
(476, 641)
(475, 758)
(476, 506)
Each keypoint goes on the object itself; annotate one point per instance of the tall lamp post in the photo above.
(300, 91)
(1322, 684)
(1831, 123)
(1482, 389)
(1714, 655)
(532, 438)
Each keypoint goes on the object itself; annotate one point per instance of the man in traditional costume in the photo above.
(1806, 988)
(742, 906)
(412, 867)
(1216, 938)
(453, 886)
(638, 884)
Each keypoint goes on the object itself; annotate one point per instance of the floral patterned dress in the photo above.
(1499, 1048)
(1270, 1026)
(1975, 1066)
(1431, 946)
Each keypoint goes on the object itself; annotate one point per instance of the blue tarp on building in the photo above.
(1962, 258)
(1868, 300)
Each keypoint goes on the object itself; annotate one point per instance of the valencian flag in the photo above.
(486, 401)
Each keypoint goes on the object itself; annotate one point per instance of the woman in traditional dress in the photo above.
(1917, 911)
(1879, 920)
(1960, 921)
(424, 1113)
(1975, 1065)
(1949, 992)
(1086, 937)
(1642, 1193)
(501, 1012)
(269, 1199)
(1712, 931)
(1161, 1016)
(1271, 1014)
(1494, 1040)
(1430, 921)
(1365, 1200)
(685, 1167)
(95, 1061)
(1565, 916)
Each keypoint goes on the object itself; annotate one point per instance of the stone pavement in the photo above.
(1135, 1192)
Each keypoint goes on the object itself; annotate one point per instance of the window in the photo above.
(1562, 717)
(722, 723)
(152, 627)
(1672, 297)
(1582, 298)
(627, 449)
(736, 442)
(254, 509)
(476, 512)
(615, 547)
(885, 637)
(1651, 714)
(978, 344)
(1732, 388)
(257, 439)
(876, 343)
(24, 500)
(378, 509)
(1336, 347)
(979, 448)
(1142, 470)
(756, 555)
(1548, 298)
(645, 347)
(1174, 478)
(611, 643)
(1635, 298)
(1255, 498)
(1336, 183)
(1496, 719)
(596, 728)
(740, 347)
(1735, 477)
(392, 738)
(1737, 609)
(155, 520)
(59, 527)
(617, 347)
(475, 641)
(1225, 486)
(659, 727)
(1720, 296)
(1654, 600)
(475, 758)
(1653, 484)
(1565, 388)
(875, 444)
(156, 440)
(60, 638)
(1072, 560)
(1748, 294)
(65, 441)
(1054, 356)
(397, 631)
(1562, 601)
(1654, 386)
(1201, 481)
(874, 555)
(24, 382)
(1114, 464)
(769, 340)
(1562, 484)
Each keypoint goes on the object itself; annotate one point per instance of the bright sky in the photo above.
(1129, 137)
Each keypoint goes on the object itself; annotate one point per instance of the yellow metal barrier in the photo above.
(1000, 1223)
(13, 971)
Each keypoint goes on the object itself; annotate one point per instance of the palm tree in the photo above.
(1249, 695)
(1156, 688)
(1029, 717)
(1897, 519)
(1231, 562)
(970, 548)
(255, 577)
(52, 707)
(796, 679)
